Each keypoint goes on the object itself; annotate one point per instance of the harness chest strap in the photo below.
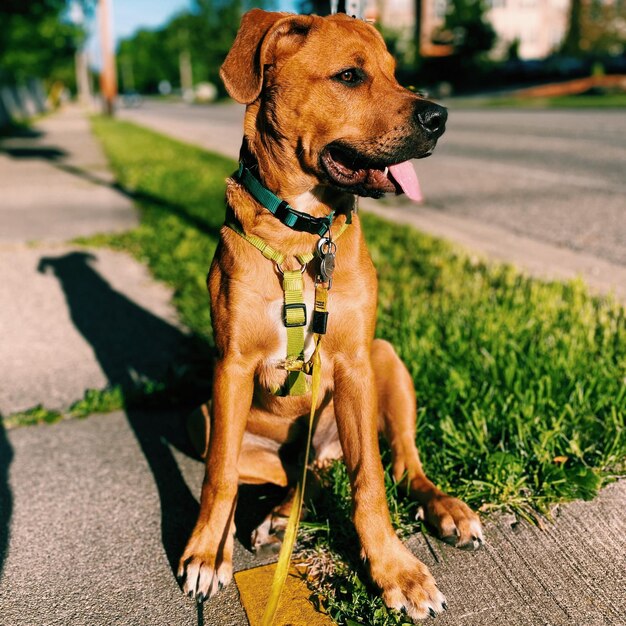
(294, 311)
(265, 249)
(295, 320)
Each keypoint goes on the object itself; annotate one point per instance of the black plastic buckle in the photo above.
(302, 222)
(309, 224)
(320, 321)
(295, 305)
(282, 211)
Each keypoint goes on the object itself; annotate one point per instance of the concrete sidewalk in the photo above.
(47, 184)
(63, 305)
(94, 538)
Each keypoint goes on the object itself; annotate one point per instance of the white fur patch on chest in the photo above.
(275, 314)
(305, 202)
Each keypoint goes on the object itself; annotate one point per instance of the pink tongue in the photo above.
(404, 174)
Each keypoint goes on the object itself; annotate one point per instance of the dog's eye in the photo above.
(352, 76)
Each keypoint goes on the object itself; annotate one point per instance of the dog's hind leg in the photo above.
(455, 522)
(268, 535)
(259, 461)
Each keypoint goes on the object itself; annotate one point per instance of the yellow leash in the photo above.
(289, 540)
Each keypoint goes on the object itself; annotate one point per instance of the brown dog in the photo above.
(325, 117)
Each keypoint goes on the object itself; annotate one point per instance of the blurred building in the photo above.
(538, 25)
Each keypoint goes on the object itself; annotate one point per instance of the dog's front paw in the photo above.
(203, 571)
(408, 586)
(455, 522)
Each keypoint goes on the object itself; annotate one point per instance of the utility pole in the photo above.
(82, 76)
(77, 15)
(419, 18)
(108, 77)
(186, 74)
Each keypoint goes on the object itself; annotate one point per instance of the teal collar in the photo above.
(296, 220)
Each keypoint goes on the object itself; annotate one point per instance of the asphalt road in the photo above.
(553, 176)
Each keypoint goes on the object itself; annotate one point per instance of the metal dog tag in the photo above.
(327, 267)
(326, 251)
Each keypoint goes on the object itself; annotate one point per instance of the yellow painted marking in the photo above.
(295, 608)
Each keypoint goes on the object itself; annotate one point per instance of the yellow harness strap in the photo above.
(266, 250)
(294, 311)
(295, 321)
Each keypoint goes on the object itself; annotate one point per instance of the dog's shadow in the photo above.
(134, 346)
(6, 496)
(131, 345)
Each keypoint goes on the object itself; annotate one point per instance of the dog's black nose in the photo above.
(432, 118)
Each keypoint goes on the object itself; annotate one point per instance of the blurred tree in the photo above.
(318, 7)
(417, 28)
(205, 33)
(467, 30)
(37, 40)
(147, 58)
(512, 51)
(571, 43)
(469, 34)
(595, 28)
(603, 28)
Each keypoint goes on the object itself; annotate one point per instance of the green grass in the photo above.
(521, 383)
(94, 401)
(35, 415)
(583, 101)
(148, 393)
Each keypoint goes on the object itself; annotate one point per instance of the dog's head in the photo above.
(324, 107)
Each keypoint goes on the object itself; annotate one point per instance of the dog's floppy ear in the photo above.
(255, 47)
